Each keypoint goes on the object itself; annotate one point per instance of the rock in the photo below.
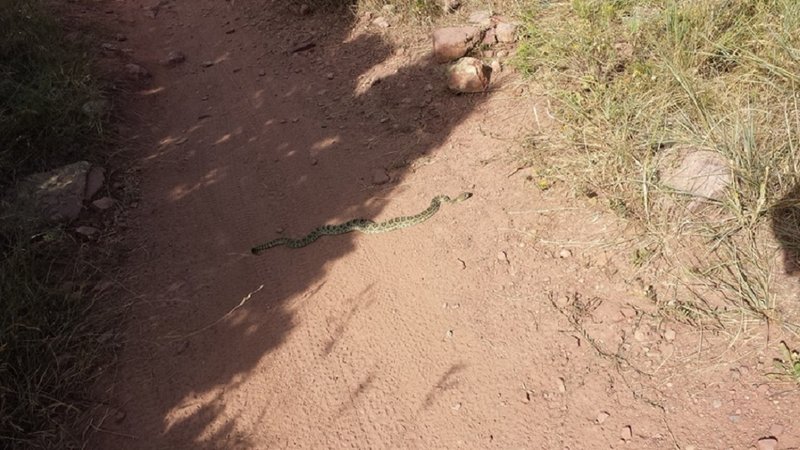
(702, 174)
(207, 63)
(304, 9)
(452, 43)
(767, 443)
(120, 37)
(496, 67)
(103, 203)
(450, 6)
(565, 253)
(503, 257)
(506, 32)
(151, 11)
(109, 47)
(94, 181)
(602, 416)
(329, 75)
(626, 433)
(670, 334)
(561, 385)
(173, 58)
(490, 37)
(56, 195)
(137, 71)
(86, 230)
(379, 176)
(381, 22)
(469, 75)
(96, 108)
(482, 18)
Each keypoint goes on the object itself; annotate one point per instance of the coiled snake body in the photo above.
(363, 225)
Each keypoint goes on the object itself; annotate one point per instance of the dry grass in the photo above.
(56, 336)
(634, 79)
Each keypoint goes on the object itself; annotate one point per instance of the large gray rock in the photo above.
(700, 174)
(56, 195)
(452, 43)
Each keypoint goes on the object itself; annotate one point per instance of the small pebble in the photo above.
(86, 230)
(767, 443)
(626, 433)
(379, 176)
(562, 387)
(602, 416)
(381, 22)
(670, 335)
(564, 253)
(103, 203)
(502, 257)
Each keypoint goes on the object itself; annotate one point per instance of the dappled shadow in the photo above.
(258, 135)
(786, 227)
(445, 383)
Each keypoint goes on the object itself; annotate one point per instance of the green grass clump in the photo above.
(54, 339)
(45, 81)
(636, 80)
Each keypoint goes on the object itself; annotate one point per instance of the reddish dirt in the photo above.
(511, 320)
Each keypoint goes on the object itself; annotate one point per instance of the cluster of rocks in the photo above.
(60, 195)
(452, 44)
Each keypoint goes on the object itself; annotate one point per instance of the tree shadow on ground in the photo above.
(294, 121)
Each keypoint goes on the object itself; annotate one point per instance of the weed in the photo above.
(45, 83)
(636, 81)
(789, 366)
(54, 338)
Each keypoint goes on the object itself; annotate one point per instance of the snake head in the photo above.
(463, 196)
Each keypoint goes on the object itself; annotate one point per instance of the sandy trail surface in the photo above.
(511, 320)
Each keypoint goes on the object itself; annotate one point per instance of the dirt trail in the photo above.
(447, 334)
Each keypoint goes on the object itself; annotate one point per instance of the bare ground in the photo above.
(512, 320)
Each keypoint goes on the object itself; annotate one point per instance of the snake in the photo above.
(363, 225)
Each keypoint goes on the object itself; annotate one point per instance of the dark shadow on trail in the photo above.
(271, 136)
